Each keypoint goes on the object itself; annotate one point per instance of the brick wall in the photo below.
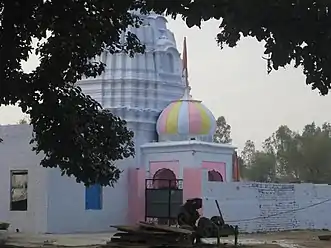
(260, 207)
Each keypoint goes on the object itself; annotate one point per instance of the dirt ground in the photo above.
(293, 239)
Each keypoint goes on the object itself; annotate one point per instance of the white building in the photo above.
(39, 200)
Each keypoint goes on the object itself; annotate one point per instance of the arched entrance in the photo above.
(164, 178)
(163, 198)
(215, 176)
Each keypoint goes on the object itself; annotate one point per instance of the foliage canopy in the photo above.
(71, 129)
(289, 156)
(223, 131)
(295, 31)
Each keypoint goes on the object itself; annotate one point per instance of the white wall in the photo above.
(269, 207)
(56, 204)
(16, 154)
(66, 205)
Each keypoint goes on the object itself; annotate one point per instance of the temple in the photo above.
(173, 135)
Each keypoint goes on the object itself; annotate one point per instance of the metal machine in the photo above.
(215, 227)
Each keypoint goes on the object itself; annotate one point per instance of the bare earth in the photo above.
(293, 239)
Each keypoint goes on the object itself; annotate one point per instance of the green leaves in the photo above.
(70, 128)
(293, 31)
(263, 167)
(289, 156)
(223, 131)
(78, 137)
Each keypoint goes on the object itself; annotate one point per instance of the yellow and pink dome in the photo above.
(185, 119)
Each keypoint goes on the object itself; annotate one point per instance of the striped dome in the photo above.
(186, 118)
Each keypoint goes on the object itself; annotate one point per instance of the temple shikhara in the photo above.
(173, 143)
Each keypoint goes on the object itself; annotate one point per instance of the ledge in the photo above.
(179, 146)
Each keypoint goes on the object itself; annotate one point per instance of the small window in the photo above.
(93, 197)
(214, 176)
(19, 191)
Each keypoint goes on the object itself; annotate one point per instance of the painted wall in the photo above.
(217, 166)
(192, 183)
(66, 205)
(268, 207)
(16, 154)
(136, 195)
(189, 154)
(56, 204)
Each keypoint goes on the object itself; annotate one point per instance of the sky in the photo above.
(233, 82)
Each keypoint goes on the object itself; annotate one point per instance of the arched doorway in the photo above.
(163, 198)
(164, 178)
(215, 176)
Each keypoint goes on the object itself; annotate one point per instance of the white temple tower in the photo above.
(138, 89)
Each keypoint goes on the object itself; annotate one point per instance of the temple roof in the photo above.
(185, 118)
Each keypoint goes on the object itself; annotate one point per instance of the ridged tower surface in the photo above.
(137, 89)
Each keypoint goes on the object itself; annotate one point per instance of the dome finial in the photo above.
(186, 95)
(185, 69)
